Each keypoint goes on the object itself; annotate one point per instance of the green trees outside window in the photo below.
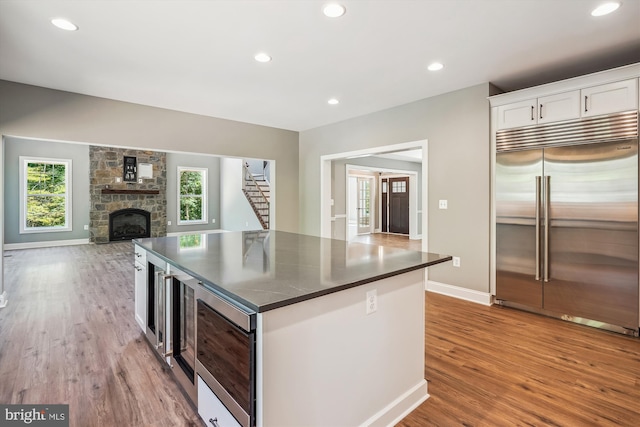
(46, 194)
(192, 195)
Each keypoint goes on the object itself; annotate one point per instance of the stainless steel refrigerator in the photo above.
(566, 199)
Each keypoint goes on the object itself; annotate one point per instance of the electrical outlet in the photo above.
(372, 301)
(442, 204)
(168, 222)
(118, 180)
(213, 221)
(246, 224)
(86, 227)
(456, 261)
(139, 180)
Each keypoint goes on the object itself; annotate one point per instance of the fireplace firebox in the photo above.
(127, 224)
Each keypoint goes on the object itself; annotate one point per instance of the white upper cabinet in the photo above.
(561, 106)
(604, 92)
(547, 109)
(518, 114)
(610, 98)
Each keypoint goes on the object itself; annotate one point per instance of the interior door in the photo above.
(399, 205)
(593, 243)
(518, 227)
(365, 185)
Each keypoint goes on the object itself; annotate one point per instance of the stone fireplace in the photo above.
(109, 193)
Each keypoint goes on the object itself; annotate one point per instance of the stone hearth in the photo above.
(108, 196)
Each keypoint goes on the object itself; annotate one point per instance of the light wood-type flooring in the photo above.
(68, 335)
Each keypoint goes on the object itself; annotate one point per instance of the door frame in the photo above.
(325, 183)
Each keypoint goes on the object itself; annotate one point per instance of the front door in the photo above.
(398, 205)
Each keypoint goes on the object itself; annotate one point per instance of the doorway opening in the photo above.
(336, 224)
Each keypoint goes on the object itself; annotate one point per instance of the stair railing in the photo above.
(248, 178)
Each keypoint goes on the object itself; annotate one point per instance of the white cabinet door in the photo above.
(140, 295)
(211, 410)
(558, 107)
(518, 114)
(610, 98)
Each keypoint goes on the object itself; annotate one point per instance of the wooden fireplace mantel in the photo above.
(124, 191)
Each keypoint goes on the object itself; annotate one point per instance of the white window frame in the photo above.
(24, 161)
(205, 198)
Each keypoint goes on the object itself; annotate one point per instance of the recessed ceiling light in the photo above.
(435, 66)
(64, 24)
(605, 8)
(334, 10)
(262, 57)
(333, 101)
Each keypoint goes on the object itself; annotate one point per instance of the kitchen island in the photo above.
(335, 329)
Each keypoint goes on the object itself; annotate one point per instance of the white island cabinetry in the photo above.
(140, 295)
(296, 330)
(326, 362)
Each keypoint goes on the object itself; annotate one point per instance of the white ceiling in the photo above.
(197, 56)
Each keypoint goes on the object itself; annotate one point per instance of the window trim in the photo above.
(205, 198)
(68, 226)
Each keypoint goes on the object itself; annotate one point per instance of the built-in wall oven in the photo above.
(225, 361)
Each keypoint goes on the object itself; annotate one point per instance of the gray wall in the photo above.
(456, 125)
(212, 163)
(79, 155)
(35, 112)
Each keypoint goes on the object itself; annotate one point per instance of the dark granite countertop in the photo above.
(264, 270)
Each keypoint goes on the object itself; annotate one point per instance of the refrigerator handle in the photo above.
(538, 178)
(547, 203)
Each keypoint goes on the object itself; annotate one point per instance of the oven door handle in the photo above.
(168, 285)
(162, 312)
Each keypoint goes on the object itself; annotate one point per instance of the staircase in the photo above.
(256, 189)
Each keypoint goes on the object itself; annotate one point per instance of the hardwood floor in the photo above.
(495, 366)
(393, 240)
(68, 335)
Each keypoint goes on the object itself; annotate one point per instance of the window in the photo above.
(45, 195)
(192, 195)
(398, 187)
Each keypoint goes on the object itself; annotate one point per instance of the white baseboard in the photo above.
(416, 237)
(182, 233)
(478, 297)
(401, 407)
(3, 299)
(49, 244)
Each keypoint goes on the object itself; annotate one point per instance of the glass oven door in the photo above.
(183, 330)
(226, 355)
